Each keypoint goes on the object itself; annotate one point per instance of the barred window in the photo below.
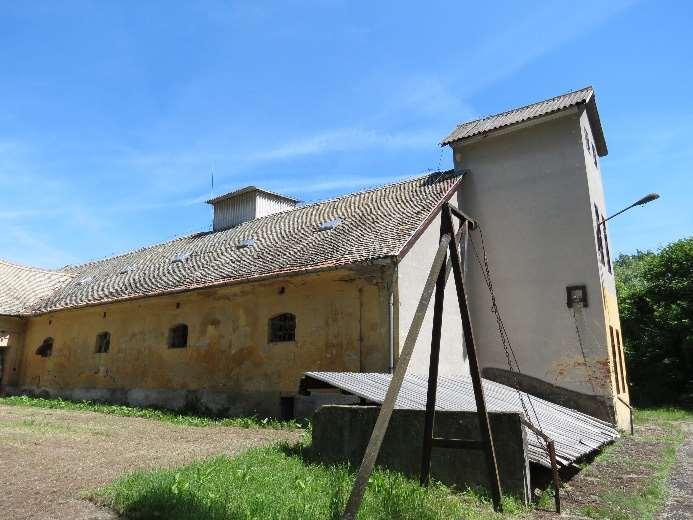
(45, 349)
(282, 328)
(103, 342)
(178, 336)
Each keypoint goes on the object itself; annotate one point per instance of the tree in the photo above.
(655, 296)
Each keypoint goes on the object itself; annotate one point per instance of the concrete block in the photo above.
(341, 433)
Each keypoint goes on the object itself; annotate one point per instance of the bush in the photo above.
(655, 294)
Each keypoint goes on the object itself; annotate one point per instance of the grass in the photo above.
(277, 483)
(659, 431)
(148, 413)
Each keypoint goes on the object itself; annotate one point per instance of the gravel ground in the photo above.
(50, 458)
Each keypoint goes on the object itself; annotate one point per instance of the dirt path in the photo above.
(613, 485)
(680, 502)
(48, 458)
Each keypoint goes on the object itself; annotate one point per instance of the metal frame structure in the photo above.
(437, 278)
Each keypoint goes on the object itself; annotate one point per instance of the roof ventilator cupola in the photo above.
(246, 204)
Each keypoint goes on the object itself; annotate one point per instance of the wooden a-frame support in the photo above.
(437, 278)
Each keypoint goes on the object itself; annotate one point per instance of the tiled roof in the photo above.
(374, 224)
(22, 286)
(542, 108)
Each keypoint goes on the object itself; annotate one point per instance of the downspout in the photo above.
(391, 319)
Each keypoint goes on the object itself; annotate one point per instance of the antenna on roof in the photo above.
(211, 225)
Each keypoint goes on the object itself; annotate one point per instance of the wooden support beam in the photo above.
(434, 360)
(388, 405)
(458, 444)
(475, 373)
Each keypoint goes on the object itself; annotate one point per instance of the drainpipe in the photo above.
(391, 319)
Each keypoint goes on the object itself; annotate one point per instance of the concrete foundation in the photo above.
(341, 433)
(222, 404)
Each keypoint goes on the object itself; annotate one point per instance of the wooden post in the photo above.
(484, 425)
(433, 366)
(388, 405)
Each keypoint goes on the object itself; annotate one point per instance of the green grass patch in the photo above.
(148, 413)
(277, 483)
(642, 501)
(662, 415)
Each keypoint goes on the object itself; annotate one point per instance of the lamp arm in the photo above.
(616, 214)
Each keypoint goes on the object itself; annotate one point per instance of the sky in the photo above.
(115, 115)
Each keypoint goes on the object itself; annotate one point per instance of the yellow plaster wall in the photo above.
(341, 321)
(612, 319)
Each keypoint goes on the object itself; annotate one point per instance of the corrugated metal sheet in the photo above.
(575, 434)
(525, 113)
(234, 211)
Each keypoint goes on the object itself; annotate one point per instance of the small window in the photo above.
(606, 249)
(178, 336)
(248, 242)
(623, 365)
(282, 328)
(615, 360)
(103, 342)
(600, 245)
(46, 348)
(330, 224)
(180, 258)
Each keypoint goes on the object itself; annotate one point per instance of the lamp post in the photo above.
(647, 198)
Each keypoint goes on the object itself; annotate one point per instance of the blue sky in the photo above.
(114, 115)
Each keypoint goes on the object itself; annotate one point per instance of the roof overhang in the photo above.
(250, 189)
(537, 113)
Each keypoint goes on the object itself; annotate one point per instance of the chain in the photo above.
(510, 356)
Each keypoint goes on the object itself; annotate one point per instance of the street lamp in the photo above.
(641, 202)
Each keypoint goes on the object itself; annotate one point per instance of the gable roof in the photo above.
(250, 189)
(21, 286)
(374, 224)
(534, 111)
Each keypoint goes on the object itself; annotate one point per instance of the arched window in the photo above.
(178, 336)
(46, 348)
(282, 328)
(103, 342)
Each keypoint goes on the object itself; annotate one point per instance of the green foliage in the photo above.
(655, 296)
(277, 483)
(148, 413)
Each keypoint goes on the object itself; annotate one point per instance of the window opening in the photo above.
(282, 328)
(103, 342)
(615, 360)
(178, 336)
(45, 349)
(621, 356)
(600, 247)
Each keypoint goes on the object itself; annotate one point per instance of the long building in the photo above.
(227, 321)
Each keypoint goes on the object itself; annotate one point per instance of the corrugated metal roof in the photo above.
(535, 110)
(376, 223)
(575, 434)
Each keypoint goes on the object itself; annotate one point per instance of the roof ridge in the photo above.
(265, 217)
(25, 267)
(516, 109)
(371, 189)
